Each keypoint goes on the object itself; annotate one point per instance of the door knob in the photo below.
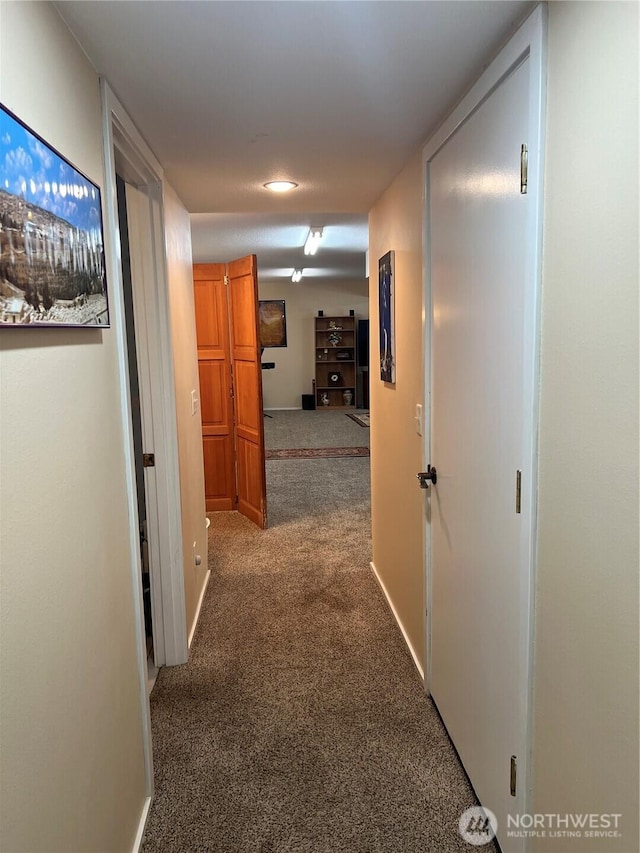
(425, 476)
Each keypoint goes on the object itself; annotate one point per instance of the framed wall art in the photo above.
(52, 270)
(386, 296)
(272, 323)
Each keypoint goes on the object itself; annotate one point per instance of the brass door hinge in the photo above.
(524, 168)
(518, 492)
(513, 775)
(149, 460)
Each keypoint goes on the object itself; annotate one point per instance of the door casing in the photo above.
(136, 163)
(529, 41)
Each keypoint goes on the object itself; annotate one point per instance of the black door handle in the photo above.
(425, 476)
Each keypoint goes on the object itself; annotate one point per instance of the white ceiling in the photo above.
(335, 95)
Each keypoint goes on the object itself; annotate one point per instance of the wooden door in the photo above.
(247, 388)
(214, 368)
(480, 427)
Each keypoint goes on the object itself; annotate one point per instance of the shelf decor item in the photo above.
(386, 296)
(347, 396)
(335, 377)
(334, 339)
(51, 237)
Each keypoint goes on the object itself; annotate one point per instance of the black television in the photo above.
(363, 343)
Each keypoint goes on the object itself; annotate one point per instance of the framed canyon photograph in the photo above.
(52, 270)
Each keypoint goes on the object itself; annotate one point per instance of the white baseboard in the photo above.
(416, 660)
(137, 844)
(198, 608)
(282, 409)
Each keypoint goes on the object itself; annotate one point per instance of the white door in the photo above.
(479, 423)
(141, 264)
(159, 428)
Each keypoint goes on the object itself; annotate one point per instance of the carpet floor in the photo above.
(299, 724)
(312, 429)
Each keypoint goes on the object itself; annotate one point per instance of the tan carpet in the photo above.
(300, 724)
(286, 429)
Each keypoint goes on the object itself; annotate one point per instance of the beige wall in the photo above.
(295, 365)
(183, 334)
(586, 675)
(396, 448)
(72, 772)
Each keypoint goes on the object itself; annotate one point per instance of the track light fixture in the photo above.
(313, 240)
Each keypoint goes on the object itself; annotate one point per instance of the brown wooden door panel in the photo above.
(215, 398)
(232, 427)
(214, 369)
(219, 475)
(250, 481)
(212, 328)
(247, 378)
(248, 408)
(244, 329)
(206, 318)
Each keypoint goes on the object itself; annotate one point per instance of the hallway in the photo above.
(300, 723)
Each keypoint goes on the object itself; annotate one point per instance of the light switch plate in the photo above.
(418, 418)
(194, 402)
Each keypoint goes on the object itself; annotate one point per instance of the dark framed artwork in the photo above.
(272, 322)
(386, 296)
(52, 270)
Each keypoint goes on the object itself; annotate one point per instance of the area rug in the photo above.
(362, 418)
(316, 452)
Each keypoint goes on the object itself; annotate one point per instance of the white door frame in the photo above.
(124, 145)
(528, 42)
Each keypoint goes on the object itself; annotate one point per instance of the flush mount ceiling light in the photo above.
(280, 186)
(313, 240)
(297, 275)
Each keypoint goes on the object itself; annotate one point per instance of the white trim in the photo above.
(122, 139)
(113, 254)
(199, 607)
(531, 389)
(426, 424)
(524, 42)
(393, 610)
(529, 42)
(283, 409)
(142, 824)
